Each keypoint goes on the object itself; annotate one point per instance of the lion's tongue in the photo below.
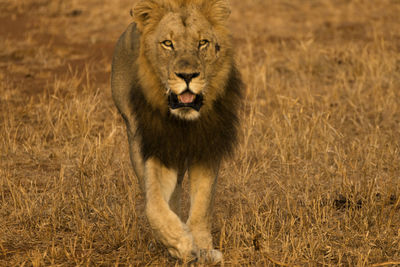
(186, 98)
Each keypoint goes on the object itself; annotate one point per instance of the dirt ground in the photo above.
(315, 180)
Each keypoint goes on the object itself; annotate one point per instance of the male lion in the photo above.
(176, 86)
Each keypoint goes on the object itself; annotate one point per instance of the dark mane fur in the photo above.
(178, 142)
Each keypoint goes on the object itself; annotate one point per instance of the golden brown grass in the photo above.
(316, 177)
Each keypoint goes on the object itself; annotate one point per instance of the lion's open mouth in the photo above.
(185, 100)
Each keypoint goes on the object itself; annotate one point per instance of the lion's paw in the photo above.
(211, 256)
(186, 250)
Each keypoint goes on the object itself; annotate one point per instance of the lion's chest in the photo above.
(175, 142)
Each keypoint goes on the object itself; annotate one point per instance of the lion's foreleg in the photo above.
(135, 155)
(160, 183)
(202, 187)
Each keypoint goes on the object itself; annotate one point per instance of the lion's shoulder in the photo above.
(123, 70)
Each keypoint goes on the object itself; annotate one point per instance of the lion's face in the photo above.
(183, 49)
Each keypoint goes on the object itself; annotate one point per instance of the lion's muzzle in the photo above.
(187, 99)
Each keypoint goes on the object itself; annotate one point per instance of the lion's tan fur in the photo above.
(165, 143)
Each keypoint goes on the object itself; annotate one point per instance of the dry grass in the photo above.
(315, 180)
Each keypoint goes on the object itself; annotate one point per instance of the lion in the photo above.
(175, 83)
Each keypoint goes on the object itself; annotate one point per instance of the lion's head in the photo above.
(185, 54)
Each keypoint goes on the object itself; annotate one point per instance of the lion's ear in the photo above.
(144, 12)
(217, 11)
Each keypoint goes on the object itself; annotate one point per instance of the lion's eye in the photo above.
(203, 43)
(167, 44)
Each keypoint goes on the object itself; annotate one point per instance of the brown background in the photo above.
(315, 180)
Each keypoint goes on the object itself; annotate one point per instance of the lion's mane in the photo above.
(177, 142)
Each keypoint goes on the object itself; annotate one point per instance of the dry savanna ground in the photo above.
(315, 180)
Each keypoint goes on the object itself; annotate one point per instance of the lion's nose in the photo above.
(187, 77)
